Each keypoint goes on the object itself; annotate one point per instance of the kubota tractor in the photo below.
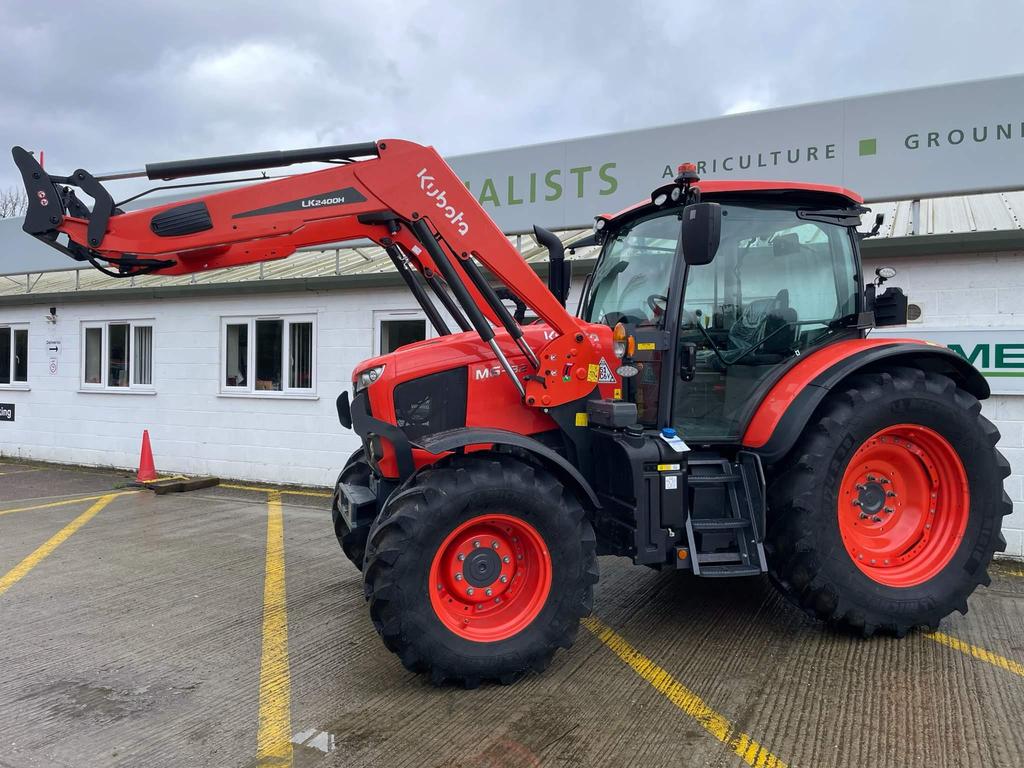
(717, 406)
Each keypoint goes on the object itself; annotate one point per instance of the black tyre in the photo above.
(479, 569)
(353, 543)
(889, 509)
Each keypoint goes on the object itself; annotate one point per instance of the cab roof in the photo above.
(838, 195)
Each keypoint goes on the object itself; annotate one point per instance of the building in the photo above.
(235, 372)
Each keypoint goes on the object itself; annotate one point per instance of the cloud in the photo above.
(112, 85)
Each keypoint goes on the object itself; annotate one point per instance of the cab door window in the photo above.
(776, 287)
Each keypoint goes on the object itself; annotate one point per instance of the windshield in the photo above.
(631, 279)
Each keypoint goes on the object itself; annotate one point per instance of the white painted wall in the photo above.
(975, 291)
(194, 428)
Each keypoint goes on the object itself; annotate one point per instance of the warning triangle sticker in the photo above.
(605, 375)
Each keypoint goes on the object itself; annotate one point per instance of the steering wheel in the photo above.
(658, 304)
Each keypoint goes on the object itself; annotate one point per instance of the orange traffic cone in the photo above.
(146, 469)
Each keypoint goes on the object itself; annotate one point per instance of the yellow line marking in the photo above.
(273, 740)
(279, 491)
(977, 652)
(1015, 573)
(752, 753)
(64, 502)
(18, 572)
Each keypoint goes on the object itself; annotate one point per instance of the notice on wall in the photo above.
(53, 347)
(6, 411)
(998, 353)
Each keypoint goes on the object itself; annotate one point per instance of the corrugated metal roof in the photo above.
(1003, 211)
(303, 264)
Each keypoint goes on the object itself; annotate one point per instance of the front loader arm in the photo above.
(403, 195)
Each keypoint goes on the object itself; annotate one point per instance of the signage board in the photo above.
(6, 411)
(998, 353)
(926, 142)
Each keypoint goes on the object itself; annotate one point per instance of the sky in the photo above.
(113, 85)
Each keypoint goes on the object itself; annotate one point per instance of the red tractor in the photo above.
(717, 405)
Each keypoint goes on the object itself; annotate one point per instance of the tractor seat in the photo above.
(760, 319)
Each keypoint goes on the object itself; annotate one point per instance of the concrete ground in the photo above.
(144, 630)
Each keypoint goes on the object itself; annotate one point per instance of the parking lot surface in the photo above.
(224, 627)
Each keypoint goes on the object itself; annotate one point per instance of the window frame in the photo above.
(13, 328)
(383, 315)
(103, 385)
(249, 388)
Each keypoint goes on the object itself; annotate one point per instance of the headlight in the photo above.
(367, 377)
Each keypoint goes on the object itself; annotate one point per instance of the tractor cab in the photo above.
(715, 317)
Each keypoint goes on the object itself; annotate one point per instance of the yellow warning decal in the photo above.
(616, 394)
(668, 467)
(582, 420)
(593, 372)
(646, 346)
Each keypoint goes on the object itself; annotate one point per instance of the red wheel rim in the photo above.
(490, 578)
(903, 505)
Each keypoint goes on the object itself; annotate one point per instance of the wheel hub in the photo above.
(482, 567)
(871, 496)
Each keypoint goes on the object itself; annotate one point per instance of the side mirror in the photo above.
(701, 232)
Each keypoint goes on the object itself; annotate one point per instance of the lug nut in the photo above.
(863, 515)
(461, 556)
(503, 579)
(888, 510)
(506, 559)
(494, 545)
(856, 502)
(876, 519)
(884, 480)
(458, 577)
(469, 590)
(489, 592)
(890, 494)
(476, 544)
(871, 478)
(861, 487)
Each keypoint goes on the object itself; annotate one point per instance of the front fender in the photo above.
(784, 412)
(453, 439)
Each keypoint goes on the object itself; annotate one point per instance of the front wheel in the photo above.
(479, 569)
(890, 510)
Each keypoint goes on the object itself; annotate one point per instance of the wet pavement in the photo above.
(144, 630)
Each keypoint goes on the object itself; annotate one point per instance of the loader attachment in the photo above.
(49, 204)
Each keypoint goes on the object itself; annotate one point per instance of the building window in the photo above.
(117, 356)
(268, 355)
(396, 329)
(13, 356)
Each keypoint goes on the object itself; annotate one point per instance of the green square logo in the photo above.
(868, 147)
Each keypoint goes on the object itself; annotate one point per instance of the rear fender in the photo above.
(781, 417)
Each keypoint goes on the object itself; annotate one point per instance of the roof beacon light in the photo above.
(687, 174)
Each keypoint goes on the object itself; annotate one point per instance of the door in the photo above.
(778, 286)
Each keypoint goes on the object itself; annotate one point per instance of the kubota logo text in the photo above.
(441, 201)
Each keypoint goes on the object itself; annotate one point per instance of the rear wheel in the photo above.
(889, 512)
(353, 543)
(480, 569)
